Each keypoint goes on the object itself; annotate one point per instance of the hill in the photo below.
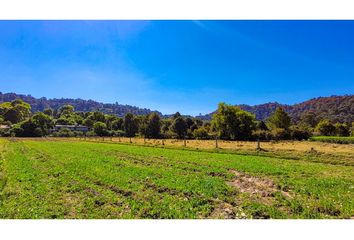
(336, 108)
(39, 104)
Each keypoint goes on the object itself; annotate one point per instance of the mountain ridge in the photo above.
(339, 108)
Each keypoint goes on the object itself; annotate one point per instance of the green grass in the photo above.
(333, 139)
(64, 179)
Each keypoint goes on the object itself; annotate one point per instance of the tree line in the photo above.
(228, 122)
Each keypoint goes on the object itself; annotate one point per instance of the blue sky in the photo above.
(186, 66)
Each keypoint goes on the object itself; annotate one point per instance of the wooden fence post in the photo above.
(184, 142)
(258, 144)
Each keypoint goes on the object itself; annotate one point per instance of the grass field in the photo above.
(85, 179)
(331, 139)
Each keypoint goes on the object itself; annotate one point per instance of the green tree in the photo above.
(326, 128)
(48, 111)
(16, 111)
(309, 119)
(262, 126)
(179, 127)
(88, 122)
(100, 129)
(43, 121)
(201, 133)
(130, 125)
(342, 129)
(66, 110)
(117, 124)
(153, 126)
(65, 120)
(279, 119)
(27, 128)
(231, 122)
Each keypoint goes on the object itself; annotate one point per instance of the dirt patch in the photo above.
(223, 211)
(262, 188)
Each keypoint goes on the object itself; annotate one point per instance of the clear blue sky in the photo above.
(186, 66)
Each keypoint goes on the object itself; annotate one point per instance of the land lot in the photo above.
(92, 178)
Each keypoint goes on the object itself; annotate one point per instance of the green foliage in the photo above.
(117, 124)
(233, 123)
(179, 127)
(326, 128)
(263, 135)
(309, 119)
(280, 134)
(153, 129)
(279, 119)
(28, 128)
(342, 129)
(66, 110)
(201, 133)
(64, 132)
(49, 112)
(16, 111)
(131, 126)
(333, 139)
(43, 121)
(65, 120)
(299, 133)
(100, 129)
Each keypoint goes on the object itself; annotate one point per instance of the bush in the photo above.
(342, 129)
(64, 133)
(300, 134)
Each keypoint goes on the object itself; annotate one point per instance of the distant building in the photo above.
(79, 128)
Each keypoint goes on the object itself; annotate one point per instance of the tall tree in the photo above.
(179, 127)
(326, 128)
(233, 123)
(130, 125)
(279, 119)
(43, 121)
(66, 110)
(100, 129)
(16, 111)
(153, 126)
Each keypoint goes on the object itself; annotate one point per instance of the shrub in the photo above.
(64, 133)
(300, 134)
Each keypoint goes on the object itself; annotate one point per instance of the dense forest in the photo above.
(334, 108)
(39, 104)
(228, 122)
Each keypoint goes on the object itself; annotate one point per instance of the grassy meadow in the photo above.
(69, 178)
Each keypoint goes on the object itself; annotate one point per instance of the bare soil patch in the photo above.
(262, 188)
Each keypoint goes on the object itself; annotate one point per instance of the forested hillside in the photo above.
(335, 108)
(39, 104)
